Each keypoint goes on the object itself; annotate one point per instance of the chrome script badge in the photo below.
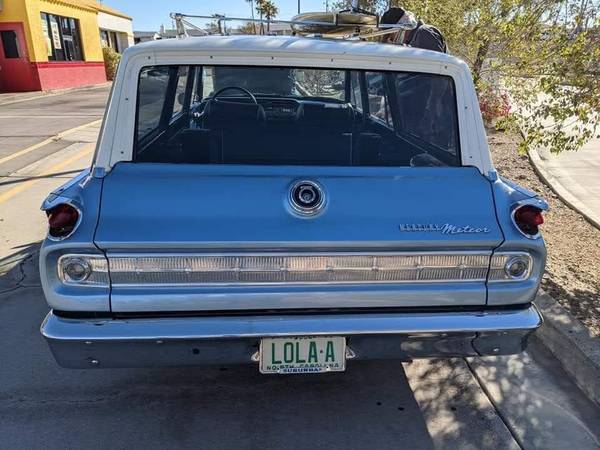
(446, 228)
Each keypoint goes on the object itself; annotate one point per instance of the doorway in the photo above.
(16, 71)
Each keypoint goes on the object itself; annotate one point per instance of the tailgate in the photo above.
(163, 225)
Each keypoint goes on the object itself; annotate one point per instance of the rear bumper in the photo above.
(145, 342)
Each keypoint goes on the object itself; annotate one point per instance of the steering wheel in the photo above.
(236, 88)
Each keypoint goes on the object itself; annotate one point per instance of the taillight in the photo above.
(528, 218)
(62, 221)
(83, 270)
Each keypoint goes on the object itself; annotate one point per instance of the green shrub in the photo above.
(111, 61)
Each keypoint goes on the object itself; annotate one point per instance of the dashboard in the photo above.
(281, 109)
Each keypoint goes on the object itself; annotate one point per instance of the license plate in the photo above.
(303, 354)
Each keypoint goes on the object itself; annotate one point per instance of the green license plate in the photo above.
(303, 354)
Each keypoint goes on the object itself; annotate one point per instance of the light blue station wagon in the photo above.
(292, 203)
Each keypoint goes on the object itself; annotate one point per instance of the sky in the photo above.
(148, 15)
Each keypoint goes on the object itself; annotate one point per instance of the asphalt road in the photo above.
(25, 123)
(523, 401)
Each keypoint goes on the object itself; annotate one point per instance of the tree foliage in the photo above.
(268, 10)
(247, 28)
(544, 53)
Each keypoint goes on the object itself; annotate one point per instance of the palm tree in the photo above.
(271, 10)
(266, 9)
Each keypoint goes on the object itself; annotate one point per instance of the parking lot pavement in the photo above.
(43, 405)
(523, 401)
(7, 98)
(22, 193)
(24, 125)
(494, 402)
(43, 142)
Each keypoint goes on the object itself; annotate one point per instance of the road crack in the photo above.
(19, 283)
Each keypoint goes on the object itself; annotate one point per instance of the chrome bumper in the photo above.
(145, 342)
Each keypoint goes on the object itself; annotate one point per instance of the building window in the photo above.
(63, 41)
(10, 44)
(109, 39)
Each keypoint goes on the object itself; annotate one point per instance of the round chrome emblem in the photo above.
(307, 197)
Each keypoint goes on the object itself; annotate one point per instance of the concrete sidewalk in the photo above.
(574, 176)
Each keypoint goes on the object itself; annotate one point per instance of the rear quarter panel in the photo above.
(506, 195)
(84, 192)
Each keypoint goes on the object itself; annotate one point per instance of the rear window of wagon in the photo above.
(295, 116)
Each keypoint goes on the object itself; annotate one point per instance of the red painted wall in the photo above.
(20, 74)
(17, 74)
(65, 74)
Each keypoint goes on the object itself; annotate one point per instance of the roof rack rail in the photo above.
(349, 24)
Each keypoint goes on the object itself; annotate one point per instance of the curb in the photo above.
(572, 344)
(563, 193)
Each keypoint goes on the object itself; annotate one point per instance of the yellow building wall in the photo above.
(28, 12)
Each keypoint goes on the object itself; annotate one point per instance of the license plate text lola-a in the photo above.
(302, 355)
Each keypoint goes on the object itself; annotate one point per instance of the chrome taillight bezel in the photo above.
(56, 202)
(531, 203)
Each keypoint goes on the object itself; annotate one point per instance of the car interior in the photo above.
(239, 123)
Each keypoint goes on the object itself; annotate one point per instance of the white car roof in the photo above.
(292, 45)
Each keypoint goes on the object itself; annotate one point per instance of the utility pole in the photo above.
(298, 6)
(252, 12)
